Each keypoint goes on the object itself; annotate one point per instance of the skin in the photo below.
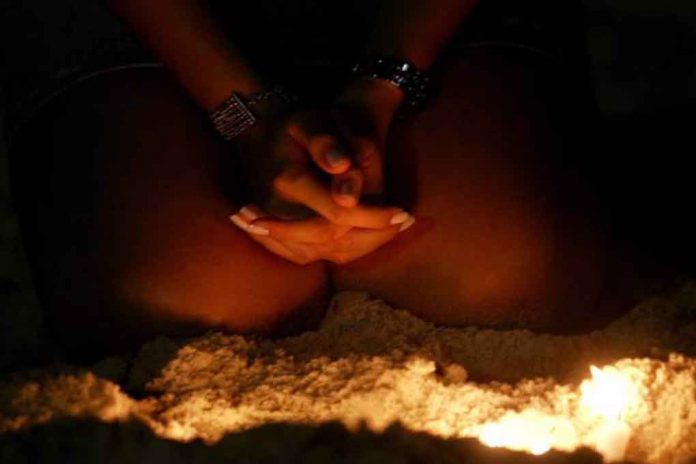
(151, 245)
(187, 40)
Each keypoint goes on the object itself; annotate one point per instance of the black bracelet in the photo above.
(400, 73)
(234, 115)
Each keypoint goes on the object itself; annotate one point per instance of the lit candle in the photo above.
(612, 440)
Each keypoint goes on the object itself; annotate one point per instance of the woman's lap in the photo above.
(505, 234)
(129, 232)
(127, 229)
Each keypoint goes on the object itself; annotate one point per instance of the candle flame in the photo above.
(609, 393)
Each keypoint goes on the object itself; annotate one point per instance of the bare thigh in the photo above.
(124, 212)
(506, 231)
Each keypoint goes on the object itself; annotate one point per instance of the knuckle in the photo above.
(280, 184)
(293, 126)
(344, 243)
(340, 216)
(286, 180)
(368, 157)
(298, 125)
(324, 236)
(297, 121)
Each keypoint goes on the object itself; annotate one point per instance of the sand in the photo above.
(391, 387)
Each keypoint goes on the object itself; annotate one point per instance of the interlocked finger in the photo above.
(325, 149)
(291, 251)
(301, 186)
(347, 188)
(316, 230)
(313, 239)
(369, 159)
(360, 242)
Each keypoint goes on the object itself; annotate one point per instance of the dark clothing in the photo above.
(286, 41)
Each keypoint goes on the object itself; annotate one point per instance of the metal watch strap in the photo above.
(234, 115)
(401, 73)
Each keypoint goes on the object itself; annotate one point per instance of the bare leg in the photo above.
(507, 232)
(120, 199)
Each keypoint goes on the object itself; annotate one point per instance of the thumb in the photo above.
(346, 188)
(323, 147)
(369, 159)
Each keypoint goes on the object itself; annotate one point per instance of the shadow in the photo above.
(88, 441)
(647, 182)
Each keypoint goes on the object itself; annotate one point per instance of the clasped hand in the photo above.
(309, 171)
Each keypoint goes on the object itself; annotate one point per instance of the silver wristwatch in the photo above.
(401, 73)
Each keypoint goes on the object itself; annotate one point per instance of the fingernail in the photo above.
(246, 227)
(346, 188)
(248, 214)
(409, 222)
(399, 218)
(239, 222)
(257, 230)
(335, 157)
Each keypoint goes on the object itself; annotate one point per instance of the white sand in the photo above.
(370, 364)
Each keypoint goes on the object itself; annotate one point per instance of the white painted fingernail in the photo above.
(239, 222)
(409, 222)
(257, 230)
(399, 218)
(335, 157)
(248, 214)
(246, 227)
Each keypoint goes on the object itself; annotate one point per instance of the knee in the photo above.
(260, 299)
(548, 280)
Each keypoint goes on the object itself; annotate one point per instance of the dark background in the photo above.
(642, 56)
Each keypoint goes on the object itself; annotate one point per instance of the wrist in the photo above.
(376, 98)
(400, 73)
(240, 114)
